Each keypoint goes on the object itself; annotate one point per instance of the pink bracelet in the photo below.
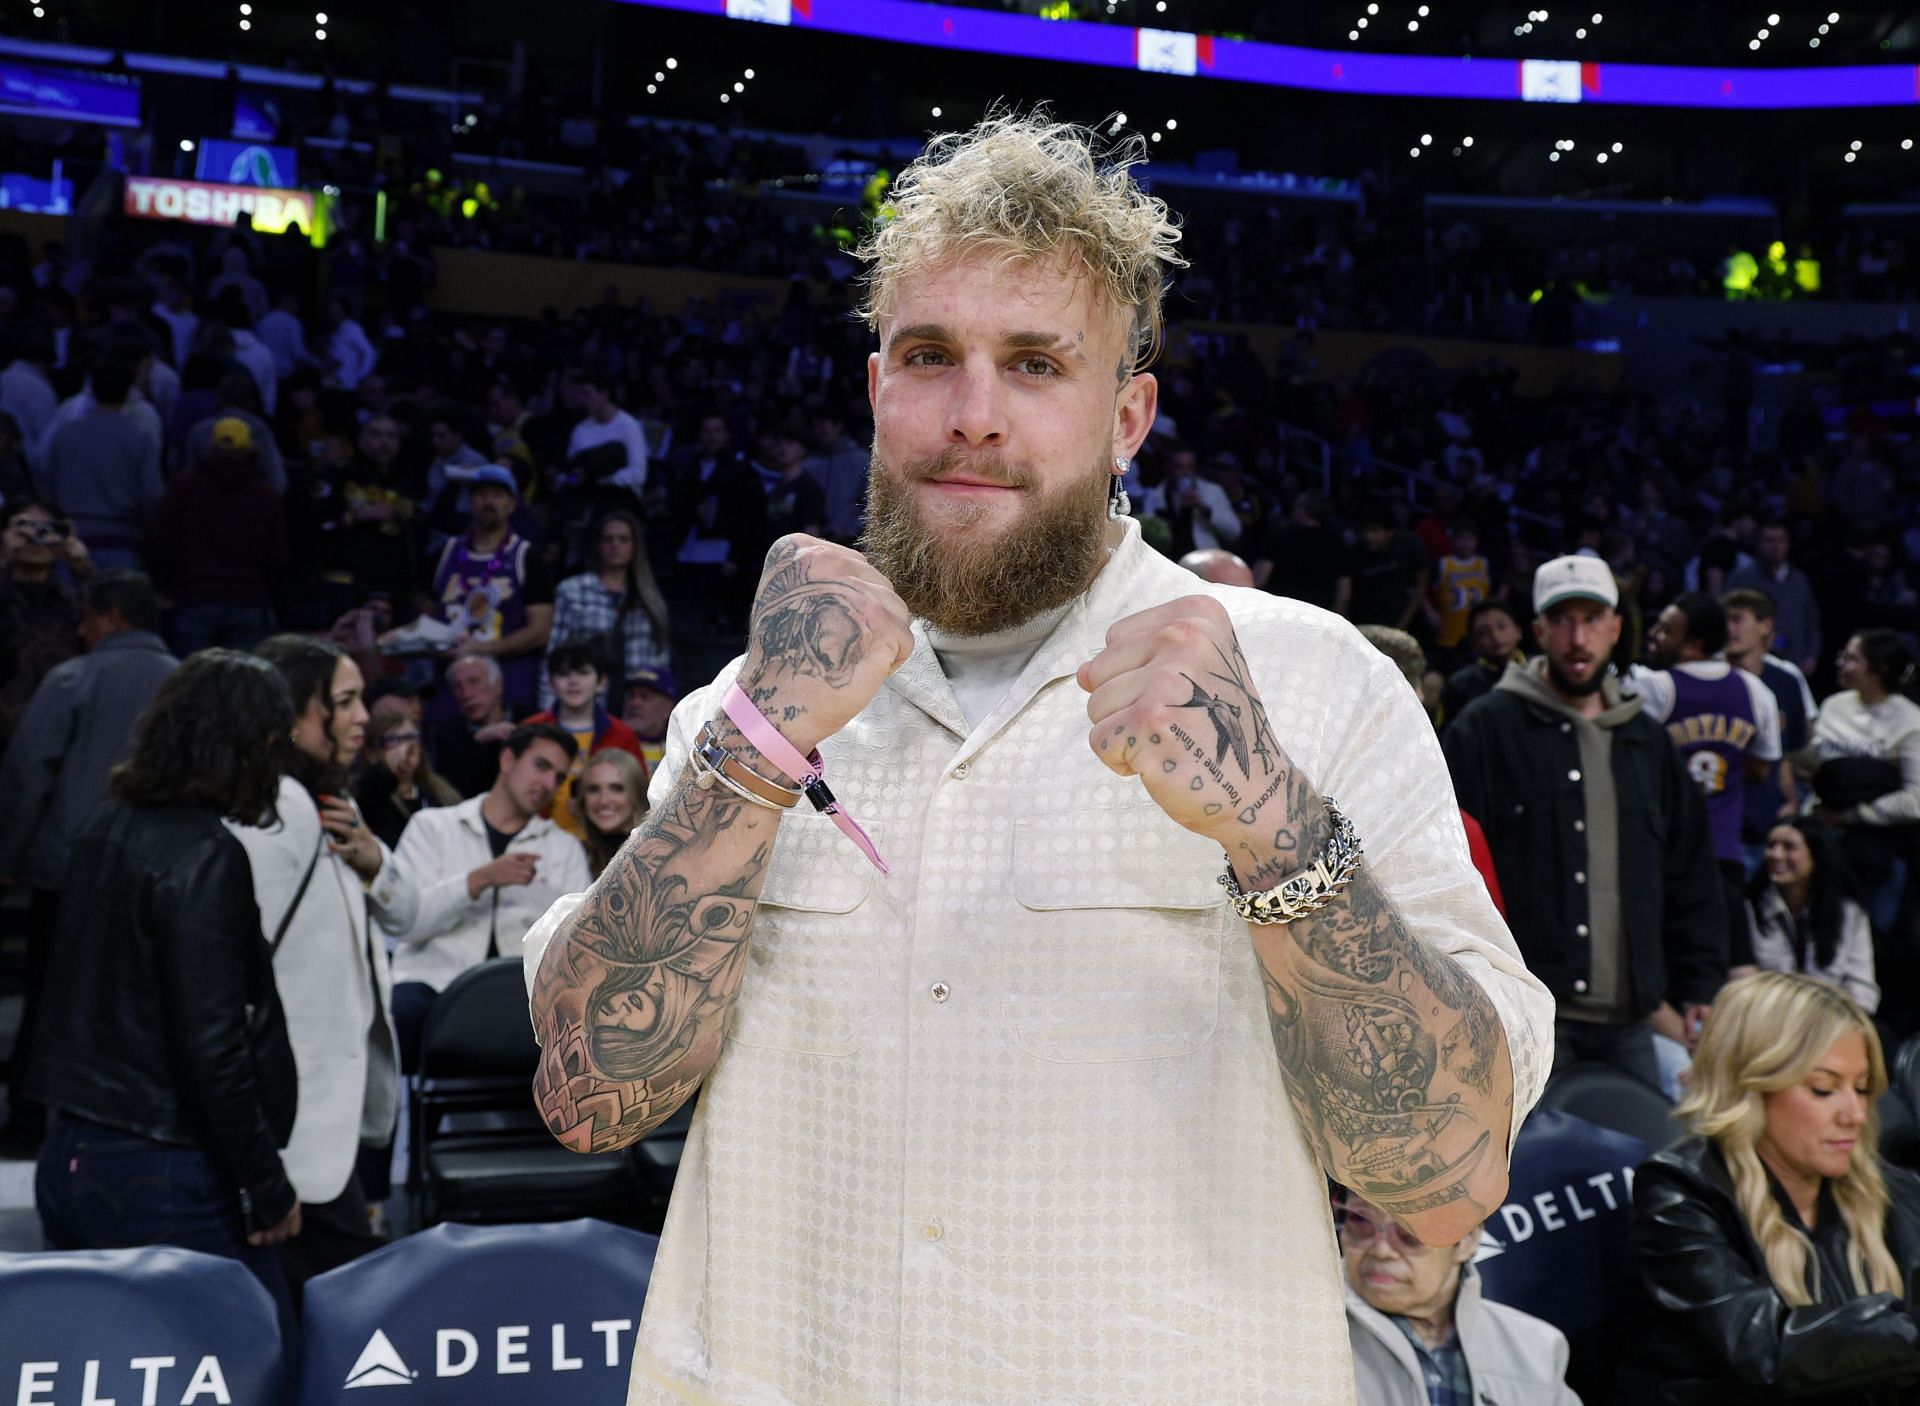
(809, 773)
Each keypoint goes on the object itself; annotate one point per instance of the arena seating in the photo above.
(511, 1315)
(155, 1324)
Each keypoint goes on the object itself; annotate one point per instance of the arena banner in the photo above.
(209, 203)
(110, 99)
(157, 1325)
(246, 163)
(1560, 1247)
(516, 1315)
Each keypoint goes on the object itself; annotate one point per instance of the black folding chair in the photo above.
(1611, 1098)
(481, 1152)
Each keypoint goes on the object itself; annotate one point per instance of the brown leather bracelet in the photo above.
(742, 775)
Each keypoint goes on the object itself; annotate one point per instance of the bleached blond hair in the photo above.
(1030, 190)
(1767, 1032)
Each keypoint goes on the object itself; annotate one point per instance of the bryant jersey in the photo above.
(1713, 725)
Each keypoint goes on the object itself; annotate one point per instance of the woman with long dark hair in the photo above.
(617, 598)
(162, 1052)
(1803, 914)
(320, 878)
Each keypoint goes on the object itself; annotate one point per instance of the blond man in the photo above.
(1036, 1114)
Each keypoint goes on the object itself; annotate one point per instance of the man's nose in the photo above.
(976, 415)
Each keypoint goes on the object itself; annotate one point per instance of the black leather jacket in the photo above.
(159, 1013)
(1717, 1331)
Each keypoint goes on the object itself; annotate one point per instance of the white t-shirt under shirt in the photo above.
(621, 429)
(981, 668)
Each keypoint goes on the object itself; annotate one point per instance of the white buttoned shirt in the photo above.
(1008, 1126)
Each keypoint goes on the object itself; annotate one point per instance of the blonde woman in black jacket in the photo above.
(1782, 1256)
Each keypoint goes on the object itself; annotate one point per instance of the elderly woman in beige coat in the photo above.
(1422, 1334)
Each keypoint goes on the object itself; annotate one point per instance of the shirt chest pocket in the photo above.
(1116, 945)
(810, 958)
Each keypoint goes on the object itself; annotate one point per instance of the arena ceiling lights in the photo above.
(1325, 70)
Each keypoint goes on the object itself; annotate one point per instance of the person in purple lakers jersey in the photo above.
(1725, 723)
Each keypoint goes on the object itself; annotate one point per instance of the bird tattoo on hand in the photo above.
(1225, 717)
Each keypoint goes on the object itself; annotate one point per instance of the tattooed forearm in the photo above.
(631, 1001)
(1392, 1055)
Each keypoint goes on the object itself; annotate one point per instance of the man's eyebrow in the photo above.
(1013, 341)
(919, 332)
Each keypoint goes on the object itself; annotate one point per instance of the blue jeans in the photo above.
(98, 1188)
(198, 627)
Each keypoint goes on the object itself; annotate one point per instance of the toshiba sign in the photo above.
(205, 203)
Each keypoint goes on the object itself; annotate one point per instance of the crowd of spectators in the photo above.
(475, 561)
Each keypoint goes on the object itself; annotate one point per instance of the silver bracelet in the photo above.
(706, 776)
(1308, 891)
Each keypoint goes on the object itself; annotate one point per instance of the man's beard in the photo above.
(961, 583)
(1573, 688)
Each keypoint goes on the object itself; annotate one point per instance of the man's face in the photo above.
(1773, 546)
(577, 688)
(1578, 637)
(529, 780)
(1392, 1271)
(492, 506)
(646, 710)
(596, 400)
(1495, 636)
(502, 408)
(1748, 636)
(23, 543)
(713, 436)
(1375, 537)
(998, 411)
(476, 692)
(380, 440)
(826, 433)
(1667, 638)
(446, 443)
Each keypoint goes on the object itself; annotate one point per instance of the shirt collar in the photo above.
(1118, 590)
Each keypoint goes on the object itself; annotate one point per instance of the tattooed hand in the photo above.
(1173, 703)
(826, 631)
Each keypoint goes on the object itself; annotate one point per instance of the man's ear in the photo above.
(1133, 415)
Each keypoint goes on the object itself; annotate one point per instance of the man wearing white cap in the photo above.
(1598, 834)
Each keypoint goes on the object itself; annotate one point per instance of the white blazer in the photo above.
(334, 983)
(451, 931)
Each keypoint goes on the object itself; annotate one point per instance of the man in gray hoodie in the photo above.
(1598, 835)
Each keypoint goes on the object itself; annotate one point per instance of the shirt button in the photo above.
(1574, 775)
(940, 991)
(931, 1230)
(1566, 727)
(1580, 827)
(1580, 931)
(960, 772)
(1581, 987)
(1580, 876)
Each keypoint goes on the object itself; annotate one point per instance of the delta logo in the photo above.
(458, 1352)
